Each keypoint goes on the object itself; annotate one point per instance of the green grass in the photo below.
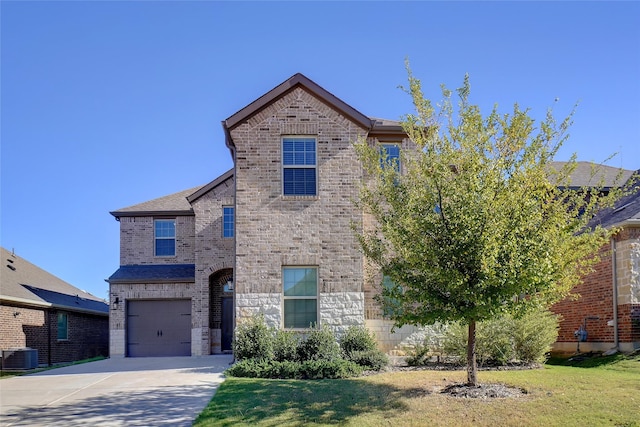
(606, 394)
(12, 373)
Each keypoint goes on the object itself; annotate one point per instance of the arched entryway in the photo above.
(221, 310)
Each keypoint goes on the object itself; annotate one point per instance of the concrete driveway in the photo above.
(154, 391)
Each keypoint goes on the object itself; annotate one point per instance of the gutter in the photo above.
(48, 306)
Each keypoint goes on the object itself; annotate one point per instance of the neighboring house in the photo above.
(608, 302)
(272, 236)
(43, 312)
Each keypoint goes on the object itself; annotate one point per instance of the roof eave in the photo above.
(119, 214)
(213, 184)
(155, 281)
(48, 305)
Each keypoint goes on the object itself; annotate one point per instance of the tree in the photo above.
(475, 222)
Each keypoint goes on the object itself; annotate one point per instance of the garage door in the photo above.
(158, 328)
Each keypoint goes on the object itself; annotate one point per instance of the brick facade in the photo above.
(137, 241)
(592, 301)
(37, 328)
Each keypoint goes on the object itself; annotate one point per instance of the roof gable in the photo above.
(297, 80)
(228, 175)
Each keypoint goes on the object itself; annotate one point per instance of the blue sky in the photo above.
(109, 104)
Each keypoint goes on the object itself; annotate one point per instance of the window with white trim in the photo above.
(300, 289)
(390, 156)
(165, 237)
(228, 221)
(299, 177)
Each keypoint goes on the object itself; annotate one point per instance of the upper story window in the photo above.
(300, 287)
(390, 156)
(299, 166)
(165, 237)
(63, 326)
(227, 221)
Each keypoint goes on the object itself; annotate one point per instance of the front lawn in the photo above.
(607, 394)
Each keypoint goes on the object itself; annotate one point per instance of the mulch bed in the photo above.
(482, 391)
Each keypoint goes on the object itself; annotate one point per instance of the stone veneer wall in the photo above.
(149, 291)
(273, 230)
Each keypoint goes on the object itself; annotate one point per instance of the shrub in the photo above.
(357, 338)
(534, 333)
(419, 355)
(495, 341)
(253, 340)
(285, 346)
(320, 344)
(251, 368)
(526, 339)
(336, 368)
(373, 360)
(311, 369)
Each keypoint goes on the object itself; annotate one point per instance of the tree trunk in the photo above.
(472, 366)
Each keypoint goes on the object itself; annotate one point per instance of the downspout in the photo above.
(616, 340)
(232, 149)
(49, 337)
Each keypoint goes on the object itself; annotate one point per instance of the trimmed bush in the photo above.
(359, 345)
(311, 369)
(357, 338)
(320, 344)
(253, 340)
(336, 368)
(285, 346)
(373, 360)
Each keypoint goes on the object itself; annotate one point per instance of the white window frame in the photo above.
(283, 166)
(174, 238)
(397, 145)
(301, 297)
(233, 221)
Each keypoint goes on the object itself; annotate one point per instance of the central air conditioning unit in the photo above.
(19, 359)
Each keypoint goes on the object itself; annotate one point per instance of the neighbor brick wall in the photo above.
(88, 335)
(28, 328)
(595, 299)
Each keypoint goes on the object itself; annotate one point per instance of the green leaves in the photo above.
(475, 220)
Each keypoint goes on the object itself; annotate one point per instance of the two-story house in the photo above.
(272, 236)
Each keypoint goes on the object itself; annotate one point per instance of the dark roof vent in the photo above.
(11, 267)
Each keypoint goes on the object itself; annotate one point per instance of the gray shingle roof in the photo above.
(175, 203)
(625, 212)
(154, 273)
(24, 282)
(588, 174)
